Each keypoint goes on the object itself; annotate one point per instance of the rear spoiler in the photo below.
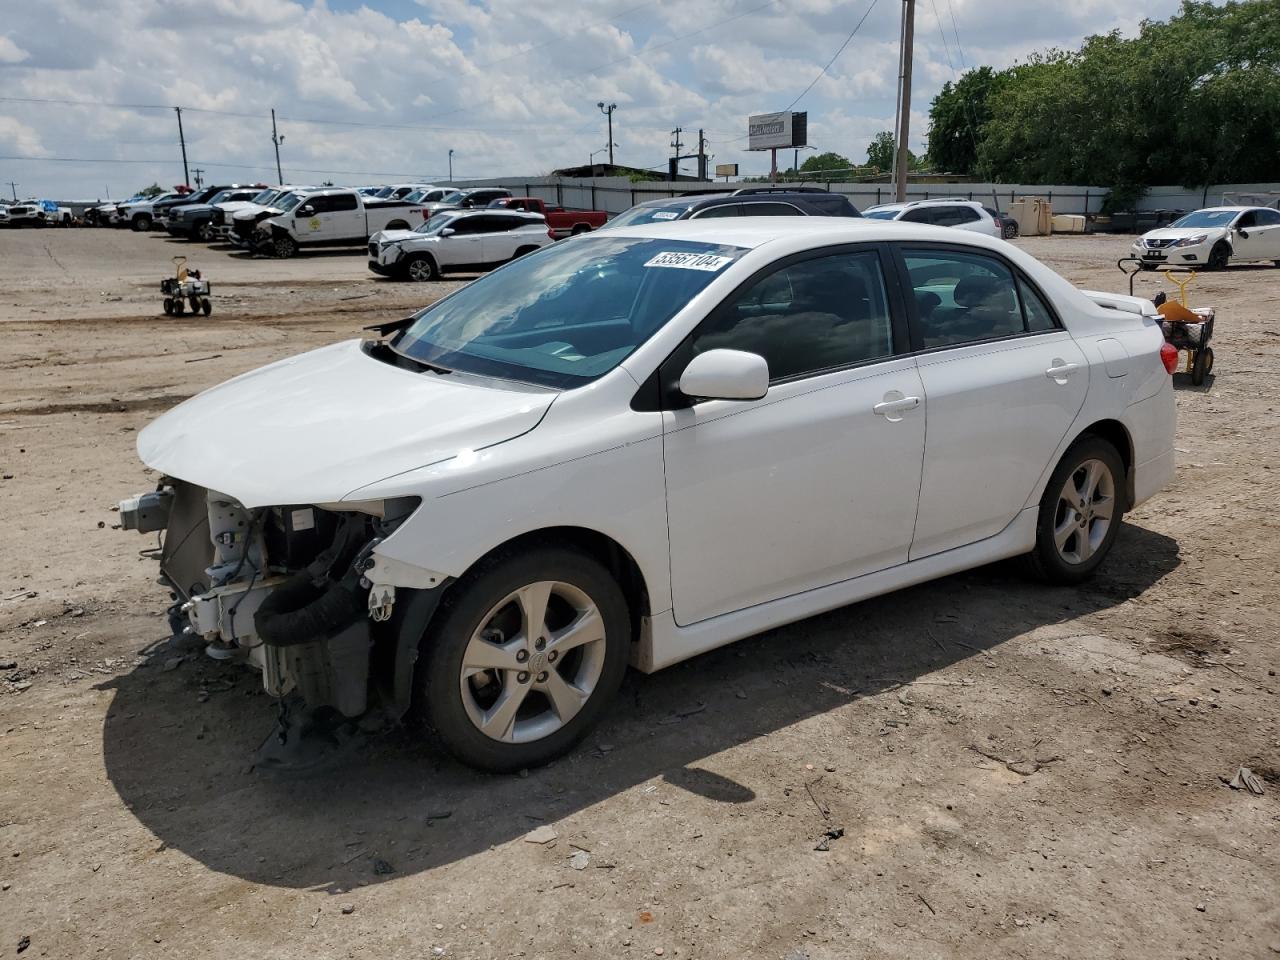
(1119, 301)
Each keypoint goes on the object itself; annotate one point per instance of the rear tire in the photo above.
(557, 678)
(1080, 513)
(168, 306)
(397, 225)
(1202, 365)
(420, 268)
(581, 228)
(1010, 230)
(206, 306)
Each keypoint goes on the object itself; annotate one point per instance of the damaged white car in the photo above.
(638, 445)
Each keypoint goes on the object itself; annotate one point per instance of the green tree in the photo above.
(956, 120)
(880, 151)
(152, 191)
(1193, 100)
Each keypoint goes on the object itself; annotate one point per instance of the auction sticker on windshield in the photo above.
(689, 261)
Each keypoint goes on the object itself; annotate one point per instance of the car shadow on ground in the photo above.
(179, 737)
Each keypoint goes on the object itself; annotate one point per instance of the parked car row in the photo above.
(35, 213)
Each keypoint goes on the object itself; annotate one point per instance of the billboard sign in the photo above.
(773, 131)
(726, 169)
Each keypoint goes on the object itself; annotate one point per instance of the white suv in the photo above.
(964, 214)
(457, 240)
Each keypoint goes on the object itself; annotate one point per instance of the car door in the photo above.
(1263, 240)
(312, 222)
(497, 241)
(464, 247)
(345, 220)
(1003, 382)
(817, 481)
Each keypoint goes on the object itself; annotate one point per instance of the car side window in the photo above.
(1268, 218)
(343, 201)
(965, 298)
(811, 316)
(722, 210)
(320, 204)
(469, 225)
(1247, 220)
(829, 206)
(918, 215)
(773, 209)
(1038, 315)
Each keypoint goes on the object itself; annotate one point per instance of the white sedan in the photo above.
(638, 445)
(1212, 238)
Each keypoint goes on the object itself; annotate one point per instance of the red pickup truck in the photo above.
(562, 222)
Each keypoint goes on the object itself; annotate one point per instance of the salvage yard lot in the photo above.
(1017, 770)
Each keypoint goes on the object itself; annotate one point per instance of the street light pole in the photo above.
(450, 166)
(608, 112)
(277, 140)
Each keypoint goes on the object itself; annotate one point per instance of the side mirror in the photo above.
(1243, 232)
(307, 211)
(726, 375)
(447, 231)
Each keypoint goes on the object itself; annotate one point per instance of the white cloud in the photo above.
(10, 52)
(510, 85)
(19, 138)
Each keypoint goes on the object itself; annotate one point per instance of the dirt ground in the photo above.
(1018, 771)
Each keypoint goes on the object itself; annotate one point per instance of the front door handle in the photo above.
(893, 405)
(1061, 370)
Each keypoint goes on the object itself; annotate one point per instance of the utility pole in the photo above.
(14, 187)
(199, 182)
(673, 165)
(901, 161)
(186, 174)
(451, 166)
(702, 155)
(277, 140)
(607, 110)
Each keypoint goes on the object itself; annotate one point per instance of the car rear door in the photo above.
(345, 220)
(817, 481)
(497, 241)
(1003, 382)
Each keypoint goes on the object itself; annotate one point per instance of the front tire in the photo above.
(141, 223)
(284, 246)
(524, 657)
(420, 268)
(1219, 256)
(1080, 513)
(1010, 230)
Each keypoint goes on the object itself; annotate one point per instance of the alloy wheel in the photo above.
(533, 662)
(420, 270)
(1085, 510)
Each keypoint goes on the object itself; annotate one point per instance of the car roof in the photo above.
(752, 232)
(499, 211)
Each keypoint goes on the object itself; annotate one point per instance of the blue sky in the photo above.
(381, 90)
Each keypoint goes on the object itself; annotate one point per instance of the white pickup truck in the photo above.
(334, 217)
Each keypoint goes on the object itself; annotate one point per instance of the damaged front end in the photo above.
(284, 589)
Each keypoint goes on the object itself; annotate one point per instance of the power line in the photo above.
(264, 165)
(834, 56)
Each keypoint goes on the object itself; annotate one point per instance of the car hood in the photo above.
(318, 426)
(387, 236)
(252, 210)
(1177, 233)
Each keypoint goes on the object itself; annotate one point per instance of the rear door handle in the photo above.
(893, 405)
(1061, 370)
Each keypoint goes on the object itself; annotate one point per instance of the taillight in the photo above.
(1169, 356)
(551, 234)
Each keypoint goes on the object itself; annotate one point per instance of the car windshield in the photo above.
(648, 215)
(289, 202)
(1206, 218)
(265, 196)
(415, 196)
(455, 196)
(384, 193)
(220, 196)
(567, 314)
(881, 214)
(434, 223)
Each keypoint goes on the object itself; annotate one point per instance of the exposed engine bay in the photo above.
(283, 589)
